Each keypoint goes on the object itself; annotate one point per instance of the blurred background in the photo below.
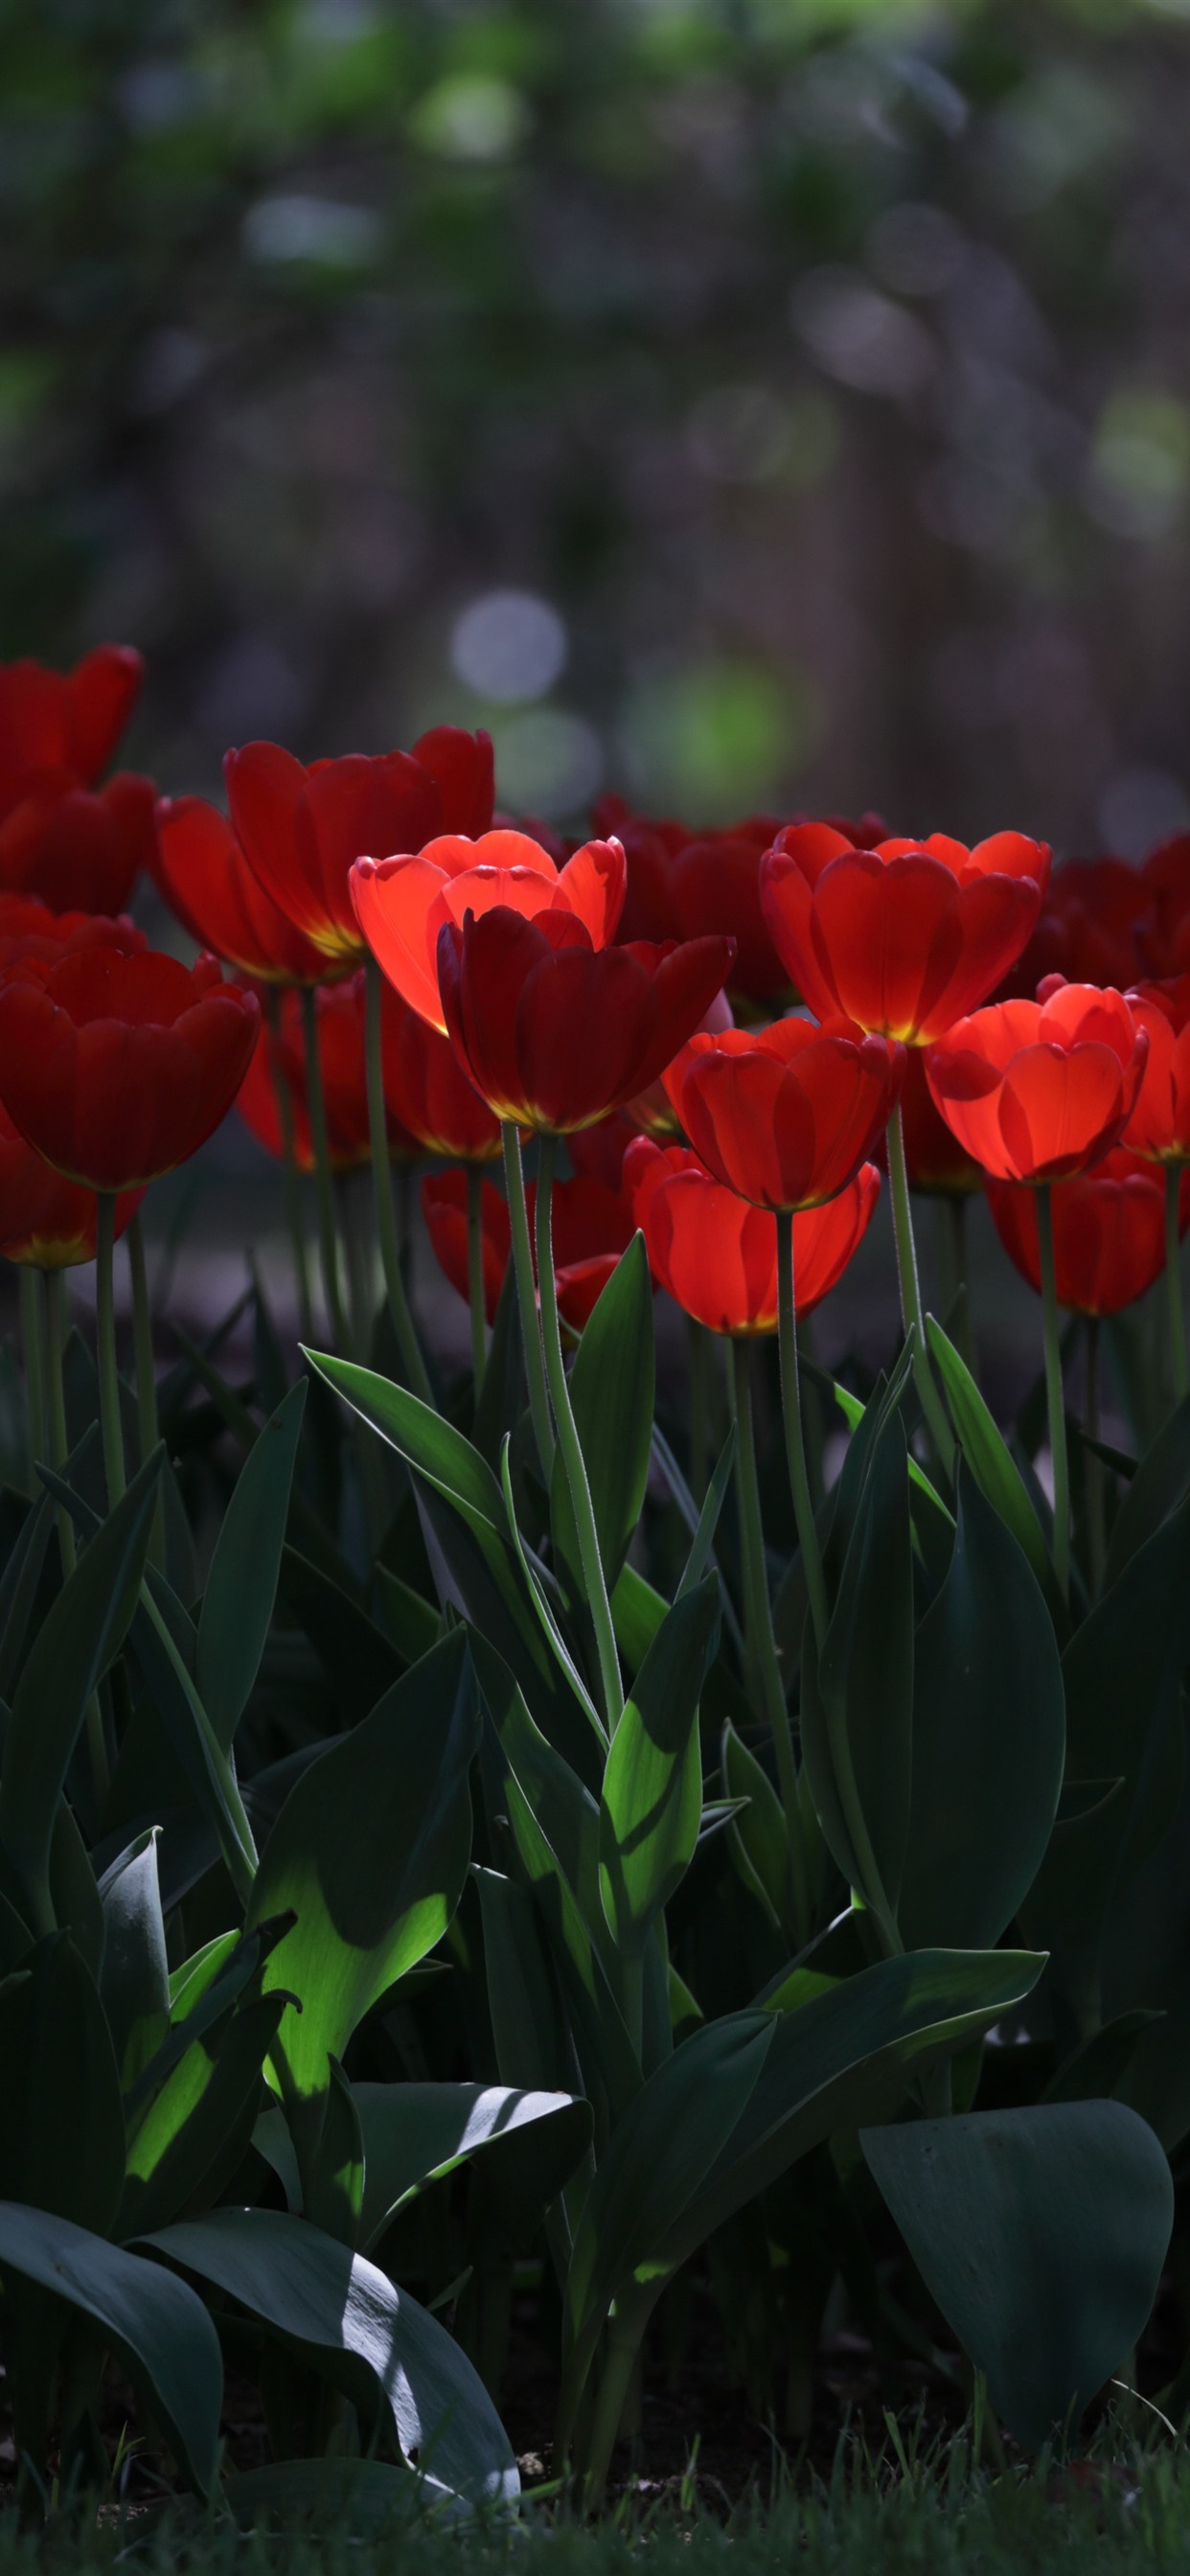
(736, 403)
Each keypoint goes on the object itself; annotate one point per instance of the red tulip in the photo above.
(590, 1227)
(684, 885)
(1086, 929)
(1159, 1127)
(1109, 1233)
(301, 830)
(786, 1115)
(717, 1256)
(427, 1091)
(403, 904)
(201, 870)
(936, 1162)
(28, 928)
(281, 1052)
(63, 726)
(905, 938)
(1038, 1090)
(1162, 935)
(599, 1150)
(45, 1221)
(79, 849)
(554, 1031)
(118, 1068)
(654, 1111)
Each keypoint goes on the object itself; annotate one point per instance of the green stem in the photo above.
(522, 1258)
(327, 1236)
(795, 1446)
(105, 1351)
(1173, 1280)
(475, 1295)
(382, 1182)
(55, 1289)
(1053, 1390)
(1093, 1465)
(911, 1306)
(594, 1582)
(148, 1431)
(758, 1617)
(33, 1338)
(615, 2382)
(292, 1179)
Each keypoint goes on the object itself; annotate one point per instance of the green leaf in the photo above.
(415, 2134)
(987, 1454)
(156, 2324)
(334, 2192)
(306, 2286)
(18, 1589)
(1041, 2234)
(989, 1739)
(360, 1661)
(200, 2118)
(80, 1637)
(756, 1836)
(1158, 1488)
(612, 1391)
(857, 1694)
(370, 1852)
(1123, 1670)
(134, 1982)
(652, 1785)
(431, 1444)
(242, 1585)
(534, 2049)
(61, 2124)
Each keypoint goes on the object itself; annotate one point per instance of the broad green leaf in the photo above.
(308, 2287)
(534, 2048)
(333, 2192)
(18, 1588)
(1123, 1670)
(199, 2121)
(411, 1624)
(612, 1391)
(61, 2124)
(204, 2002)
(562, 1805)
(652, 1785)
(1098, 2066)
(134, 1982)
(1159, 1486)
(637, 1613)
(609, 2062)
(370, 1851)
(987, 1454)
(989, 1738)
(756, 1834)
(415, 2134)
(1041, 2233)
(360, 1661)
(157, 2325)
(80, 1637)
(441, 1454)
(242, 1585)
(857, 1694)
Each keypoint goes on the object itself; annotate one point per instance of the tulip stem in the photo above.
(328, 1240)
(766, 1683)
(475, 1295)
(594, 1581)
(522, 1256)
(33, 1339)
(105, 1351)
(1053, 1389)
(795, 1445)
(1173, 1280)
(55, 1392)
(292, 1179)
(382, 1181)
(148, 1431)
(912, 1316)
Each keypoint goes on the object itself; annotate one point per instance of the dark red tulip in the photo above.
(46, 1222)
(427, 1091)
(403, 903)
(281, 1052)
(553, 1031)
(786, 1115)
(79, 849)
(1162, 935)
(1086, 929)
(599, 1150)
(1038, 1090)
(60, 728)
(906, 938)
(302, 829)
(28, 928)
(1109, 1233)
(937, 1164)
(590, 1227)
(684, 884)
(201, 870)
(118, 1068)
(716, 1255)
(1159, 1127)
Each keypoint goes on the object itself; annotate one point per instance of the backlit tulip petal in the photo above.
(1037, 1090)
(1109, 1233)
(202, 872)
(403, 903)
(717, 1256)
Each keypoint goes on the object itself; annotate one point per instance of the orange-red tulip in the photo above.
(281, 1054)
(403, 904)
(427, 1091)
(1038, 1090)
(1109, 1233)
(786, 1115)
(201, 870)
(716, 1255)
(590, 1228)
(1159, 1127)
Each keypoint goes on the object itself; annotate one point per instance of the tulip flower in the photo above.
(1086, 929)
(280, 1058)
(785, 1115)
(200, 869)
(78, 848)
(716, 1255)
(46, 1221)
(427, 1091)
(938, 1166)
(403, 903)
(592, 1229)
(905, 938)
(1162, 934)
(1159, 1127)
(28, 928)
(63, 726)
(1109, 1233)
(1038, 1090)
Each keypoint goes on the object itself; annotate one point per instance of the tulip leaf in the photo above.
(987, 1454)
(651, 1805)
(61, 2124)
(857, 1693)
(156, 2324)
(308, 2287)
(1158, 1488)
(989, 1735)
(441, 1454)
(370, 1852)
(534, 2048)
(1041, 2233)
(415, 2134)
(242, 1585)
(81, 1635)
(612, 1391)
(756, 1834)
(199, 2122)
(360, 1661)
(19, 1586)
(135, 1979)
